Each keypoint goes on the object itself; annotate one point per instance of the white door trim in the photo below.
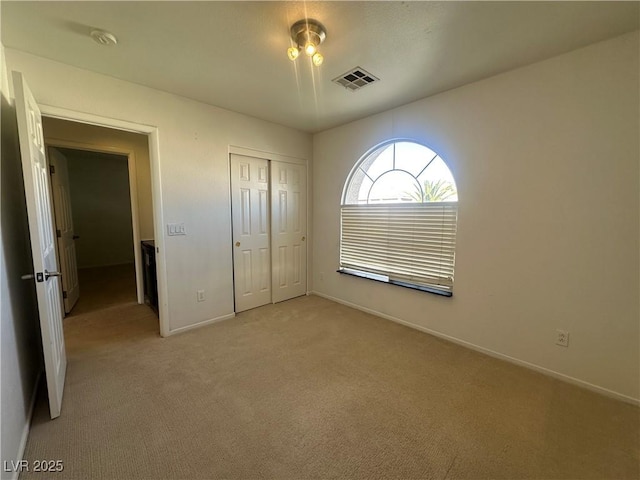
(156, 191)
(133, 195)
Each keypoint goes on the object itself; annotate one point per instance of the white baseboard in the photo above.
(491, 353)
(27, 427)
(201, 324)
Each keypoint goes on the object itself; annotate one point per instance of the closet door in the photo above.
(288, 230)
(251, 228)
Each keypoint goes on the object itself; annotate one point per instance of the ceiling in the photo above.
(233, 54)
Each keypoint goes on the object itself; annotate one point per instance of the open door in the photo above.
(43, 245)
(64, 228)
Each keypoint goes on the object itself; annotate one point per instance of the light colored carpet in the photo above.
(312, 389)
(103, 287)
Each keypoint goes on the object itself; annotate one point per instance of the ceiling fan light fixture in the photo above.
(307, 35)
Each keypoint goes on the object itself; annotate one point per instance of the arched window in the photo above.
(399, 218)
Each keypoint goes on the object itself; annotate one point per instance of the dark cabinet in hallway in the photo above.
(150, 276)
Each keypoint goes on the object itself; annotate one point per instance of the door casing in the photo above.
(156, 191)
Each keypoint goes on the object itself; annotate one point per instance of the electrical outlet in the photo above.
(562, 338)
(200, 295)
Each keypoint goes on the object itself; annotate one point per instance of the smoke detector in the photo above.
(104, 38)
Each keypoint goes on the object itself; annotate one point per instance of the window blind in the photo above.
(411, 243)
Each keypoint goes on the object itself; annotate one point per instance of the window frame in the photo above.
(435, 287)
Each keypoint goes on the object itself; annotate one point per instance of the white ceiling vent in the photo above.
(355, 79)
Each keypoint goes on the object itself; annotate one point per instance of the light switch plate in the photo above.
(176, 229)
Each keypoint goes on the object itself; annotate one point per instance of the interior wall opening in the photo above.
(110, 212)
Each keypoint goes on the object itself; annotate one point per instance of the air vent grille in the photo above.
(355, 79)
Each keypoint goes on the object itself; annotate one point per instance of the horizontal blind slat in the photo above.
(407, 242)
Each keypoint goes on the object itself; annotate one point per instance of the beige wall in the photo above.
(56, 130)
(193, 168)
(101, 208)
(546, 160)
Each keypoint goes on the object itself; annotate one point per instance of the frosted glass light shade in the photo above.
(293, 53)
(317, 59)
(310, 48)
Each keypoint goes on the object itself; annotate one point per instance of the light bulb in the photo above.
(293, 53)
(310, 48)
(317, 59)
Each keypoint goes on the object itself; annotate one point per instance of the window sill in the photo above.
(383, 279)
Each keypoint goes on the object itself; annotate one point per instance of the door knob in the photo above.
(76, 237)
(43, 276)
(28, 276)
(237, 244)
(303, 238)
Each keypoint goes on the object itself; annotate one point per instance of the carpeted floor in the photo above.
(312, 389)
(103, 287)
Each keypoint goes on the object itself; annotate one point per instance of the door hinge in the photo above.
(52, 169)
(58, 233)
(64, 294)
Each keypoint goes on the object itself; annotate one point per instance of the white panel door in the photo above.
(289, 230)
(43, 245)
(251, 225)
(64, 228)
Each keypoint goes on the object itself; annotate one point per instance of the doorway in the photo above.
(43, 246)
(110, 203)
(269, 221)
(95, 231)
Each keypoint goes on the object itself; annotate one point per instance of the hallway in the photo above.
(107, 302)
(104, 287)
